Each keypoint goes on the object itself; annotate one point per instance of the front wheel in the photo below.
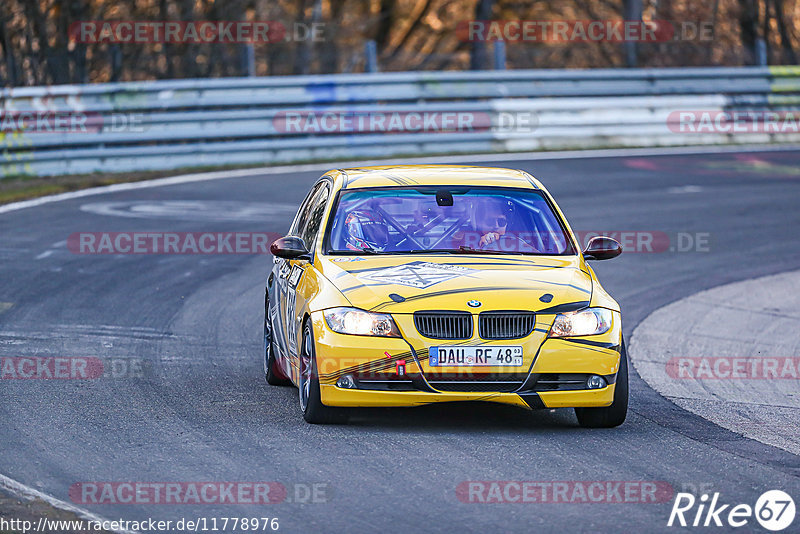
(614, 415)
(310, 400)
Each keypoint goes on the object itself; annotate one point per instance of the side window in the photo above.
(302, 214)
(312, 222)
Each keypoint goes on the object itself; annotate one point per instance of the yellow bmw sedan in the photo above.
(409, 285)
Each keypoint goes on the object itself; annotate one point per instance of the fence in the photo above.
(240, 121)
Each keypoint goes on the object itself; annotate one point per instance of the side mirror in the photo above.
(290, 247)
(602, 248)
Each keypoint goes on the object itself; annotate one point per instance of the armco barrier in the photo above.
(229, 121)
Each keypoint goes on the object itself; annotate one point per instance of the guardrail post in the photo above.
(248, 57)
(499, 55)
(370, 56)
(116, 62)
(633, 12)
(761, 52)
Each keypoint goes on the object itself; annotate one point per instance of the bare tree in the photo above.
(7, 50)
(36, 48)
(787, 51)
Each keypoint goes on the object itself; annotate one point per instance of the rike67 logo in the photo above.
(774, 510)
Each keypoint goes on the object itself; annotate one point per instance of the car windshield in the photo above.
(455, 220)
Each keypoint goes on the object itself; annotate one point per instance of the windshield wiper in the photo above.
(469, 250)
(460, 250)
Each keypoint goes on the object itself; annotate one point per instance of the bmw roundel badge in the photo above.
(474, 304)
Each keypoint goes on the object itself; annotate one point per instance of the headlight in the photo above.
(360, 323)
(586, 322)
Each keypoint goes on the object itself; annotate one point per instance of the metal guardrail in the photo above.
(227, 121)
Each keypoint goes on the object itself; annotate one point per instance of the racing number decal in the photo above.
(281, 303)
(297, 272)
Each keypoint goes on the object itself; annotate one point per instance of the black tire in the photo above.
(614, 415)
(272, 377)
(314, 411)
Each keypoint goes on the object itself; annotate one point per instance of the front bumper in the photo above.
(552, 377)
(334, 396)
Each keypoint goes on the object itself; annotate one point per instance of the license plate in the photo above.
(487, 356)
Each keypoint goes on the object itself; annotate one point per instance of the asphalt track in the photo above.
(202, 412)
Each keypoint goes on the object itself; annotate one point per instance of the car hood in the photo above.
(405, 284)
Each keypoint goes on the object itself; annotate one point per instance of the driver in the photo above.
(365, 229)
(492, 217)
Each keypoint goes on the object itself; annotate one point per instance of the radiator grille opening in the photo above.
(506, 325)
(477, 382)
(444, 325)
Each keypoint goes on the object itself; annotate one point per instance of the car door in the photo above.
(281, 271)
(290, 274)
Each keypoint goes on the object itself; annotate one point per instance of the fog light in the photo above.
(346, 382)
(596, 382)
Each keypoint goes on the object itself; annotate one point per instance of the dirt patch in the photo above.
(14, 511)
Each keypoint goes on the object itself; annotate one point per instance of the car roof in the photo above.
(444, 175)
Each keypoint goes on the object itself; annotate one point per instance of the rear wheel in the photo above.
(310, 400)
(271, 374)
(614, 415)
(273, 377)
